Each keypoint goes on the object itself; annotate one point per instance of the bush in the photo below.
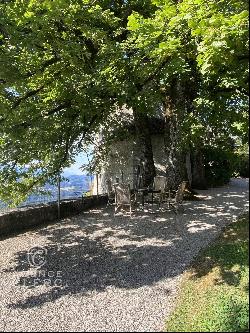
(219, 166)
(241, 165)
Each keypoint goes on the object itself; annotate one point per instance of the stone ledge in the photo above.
(27, 217)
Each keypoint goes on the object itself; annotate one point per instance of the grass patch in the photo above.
(214, 292)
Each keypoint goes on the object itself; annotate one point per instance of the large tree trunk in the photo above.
(144, 142)
(188, 167)
(178, 102)
(175, 156)
(198, 170)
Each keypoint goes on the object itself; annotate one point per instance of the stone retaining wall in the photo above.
(26, 217)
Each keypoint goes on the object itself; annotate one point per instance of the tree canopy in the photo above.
(66, 66)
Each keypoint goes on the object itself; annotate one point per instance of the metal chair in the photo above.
(176, 202)
(122, 197)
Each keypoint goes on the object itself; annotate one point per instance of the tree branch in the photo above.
(46, 64)
(26, 96)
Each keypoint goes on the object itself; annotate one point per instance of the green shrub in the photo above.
(241, 167)
(219, 165)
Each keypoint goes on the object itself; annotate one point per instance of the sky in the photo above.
(74, 169)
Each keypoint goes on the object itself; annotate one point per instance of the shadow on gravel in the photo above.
(94, 251)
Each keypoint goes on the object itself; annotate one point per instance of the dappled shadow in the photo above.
(95, 250)
(89, 258)
(228, 256)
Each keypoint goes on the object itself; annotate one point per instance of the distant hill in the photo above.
(74, 187)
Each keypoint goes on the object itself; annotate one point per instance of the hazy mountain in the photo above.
(74, 187)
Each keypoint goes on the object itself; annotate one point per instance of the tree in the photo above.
(199, 52)
(66, 66)
(54, 99)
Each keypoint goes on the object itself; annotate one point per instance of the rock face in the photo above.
(127, 153)
(124, 157)
(123, 160)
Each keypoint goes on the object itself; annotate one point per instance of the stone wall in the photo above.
(27, 217)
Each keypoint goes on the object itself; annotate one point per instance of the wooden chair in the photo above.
(176, 202)
(122, 197)
(160, 186)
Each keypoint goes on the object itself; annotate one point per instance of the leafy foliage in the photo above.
(241, 167)
(67, 66)
(58, 53)
(204, 46)
(219, 165)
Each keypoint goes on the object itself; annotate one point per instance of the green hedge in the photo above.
(221, 165)
(242, 165)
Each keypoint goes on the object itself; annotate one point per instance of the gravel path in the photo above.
(100, 273)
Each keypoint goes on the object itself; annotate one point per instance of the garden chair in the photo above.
(176, 202)
(160, 186)
(122, 197)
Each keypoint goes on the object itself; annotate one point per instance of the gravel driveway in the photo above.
(95, 272)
